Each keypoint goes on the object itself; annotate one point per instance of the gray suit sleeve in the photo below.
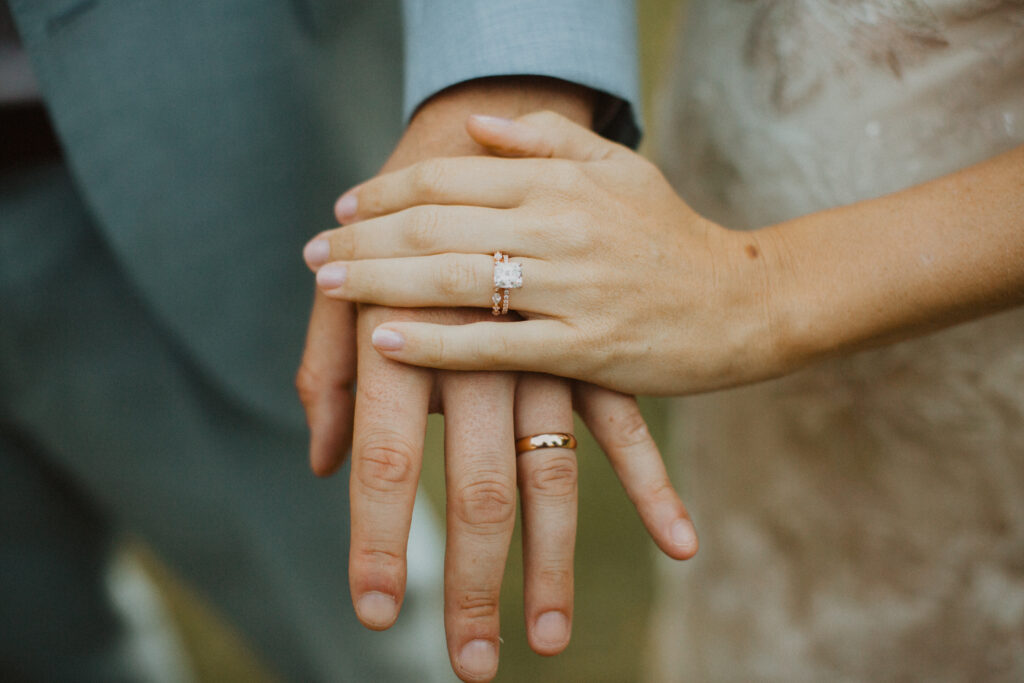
(589, 42)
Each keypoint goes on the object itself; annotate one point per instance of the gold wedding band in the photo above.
(538, 441)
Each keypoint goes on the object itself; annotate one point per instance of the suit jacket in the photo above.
(210, 138)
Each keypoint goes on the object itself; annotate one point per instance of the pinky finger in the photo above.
(529, 345)
(616, 422)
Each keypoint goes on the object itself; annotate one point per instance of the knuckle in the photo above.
(343, 244)
(478, 604)
(384, 463)
(557, 577)
(660, 489)
(456, 276)
(555, 477)
(307, 384)
(372, 199)
(378, 559)
(376, 393)
(424, 229)
(485, 502)
(427, 178)
(631, 430)
(311, 385)
(436, 353)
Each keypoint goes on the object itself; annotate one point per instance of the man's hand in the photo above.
(392, 402)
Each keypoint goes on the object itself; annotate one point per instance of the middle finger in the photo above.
(480, 484)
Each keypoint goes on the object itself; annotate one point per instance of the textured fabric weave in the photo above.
(590, 42)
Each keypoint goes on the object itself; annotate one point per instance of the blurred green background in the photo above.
(614, 555)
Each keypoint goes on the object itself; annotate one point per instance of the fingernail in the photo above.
(346, 207)
(478, 658)
(317, 252)
(551, 628)
(492, 120)
(682, 533)
(331, 276)
(387, 340)
(377, 609)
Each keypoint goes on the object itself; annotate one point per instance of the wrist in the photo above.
(748, 339)
(787, 318)
(438, 128)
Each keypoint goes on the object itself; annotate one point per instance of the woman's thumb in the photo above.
(539, 134)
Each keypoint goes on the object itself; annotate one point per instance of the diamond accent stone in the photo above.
(496, 298)
(508, 275)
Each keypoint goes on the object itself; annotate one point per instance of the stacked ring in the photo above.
(507, 276)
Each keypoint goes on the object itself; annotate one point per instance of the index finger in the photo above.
(478, 181)
(324, 382)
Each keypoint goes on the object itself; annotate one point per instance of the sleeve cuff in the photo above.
(589, 42)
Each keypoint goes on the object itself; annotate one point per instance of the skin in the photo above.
(717, 308)
(484, 413)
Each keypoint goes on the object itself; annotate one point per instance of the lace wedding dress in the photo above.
(862, 520)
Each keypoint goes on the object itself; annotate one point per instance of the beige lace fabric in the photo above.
(862, 519)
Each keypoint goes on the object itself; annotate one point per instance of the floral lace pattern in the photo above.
(883, 34)
(886, 34)
(862, 519)
(833, 101)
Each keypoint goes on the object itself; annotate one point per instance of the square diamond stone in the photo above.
(508, 275)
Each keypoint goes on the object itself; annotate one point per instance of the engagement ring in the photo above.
(507, 276)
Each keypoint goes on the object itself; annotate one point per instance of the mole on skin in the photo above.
(752, 251)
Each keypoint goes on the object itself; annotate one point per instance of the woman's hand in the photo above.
(623, 284)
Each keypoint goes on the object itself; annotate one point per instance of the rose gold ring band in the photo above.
(538, 441)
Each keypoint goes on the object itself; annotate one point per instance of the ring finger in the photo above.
(547, 486)
(442, 280)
